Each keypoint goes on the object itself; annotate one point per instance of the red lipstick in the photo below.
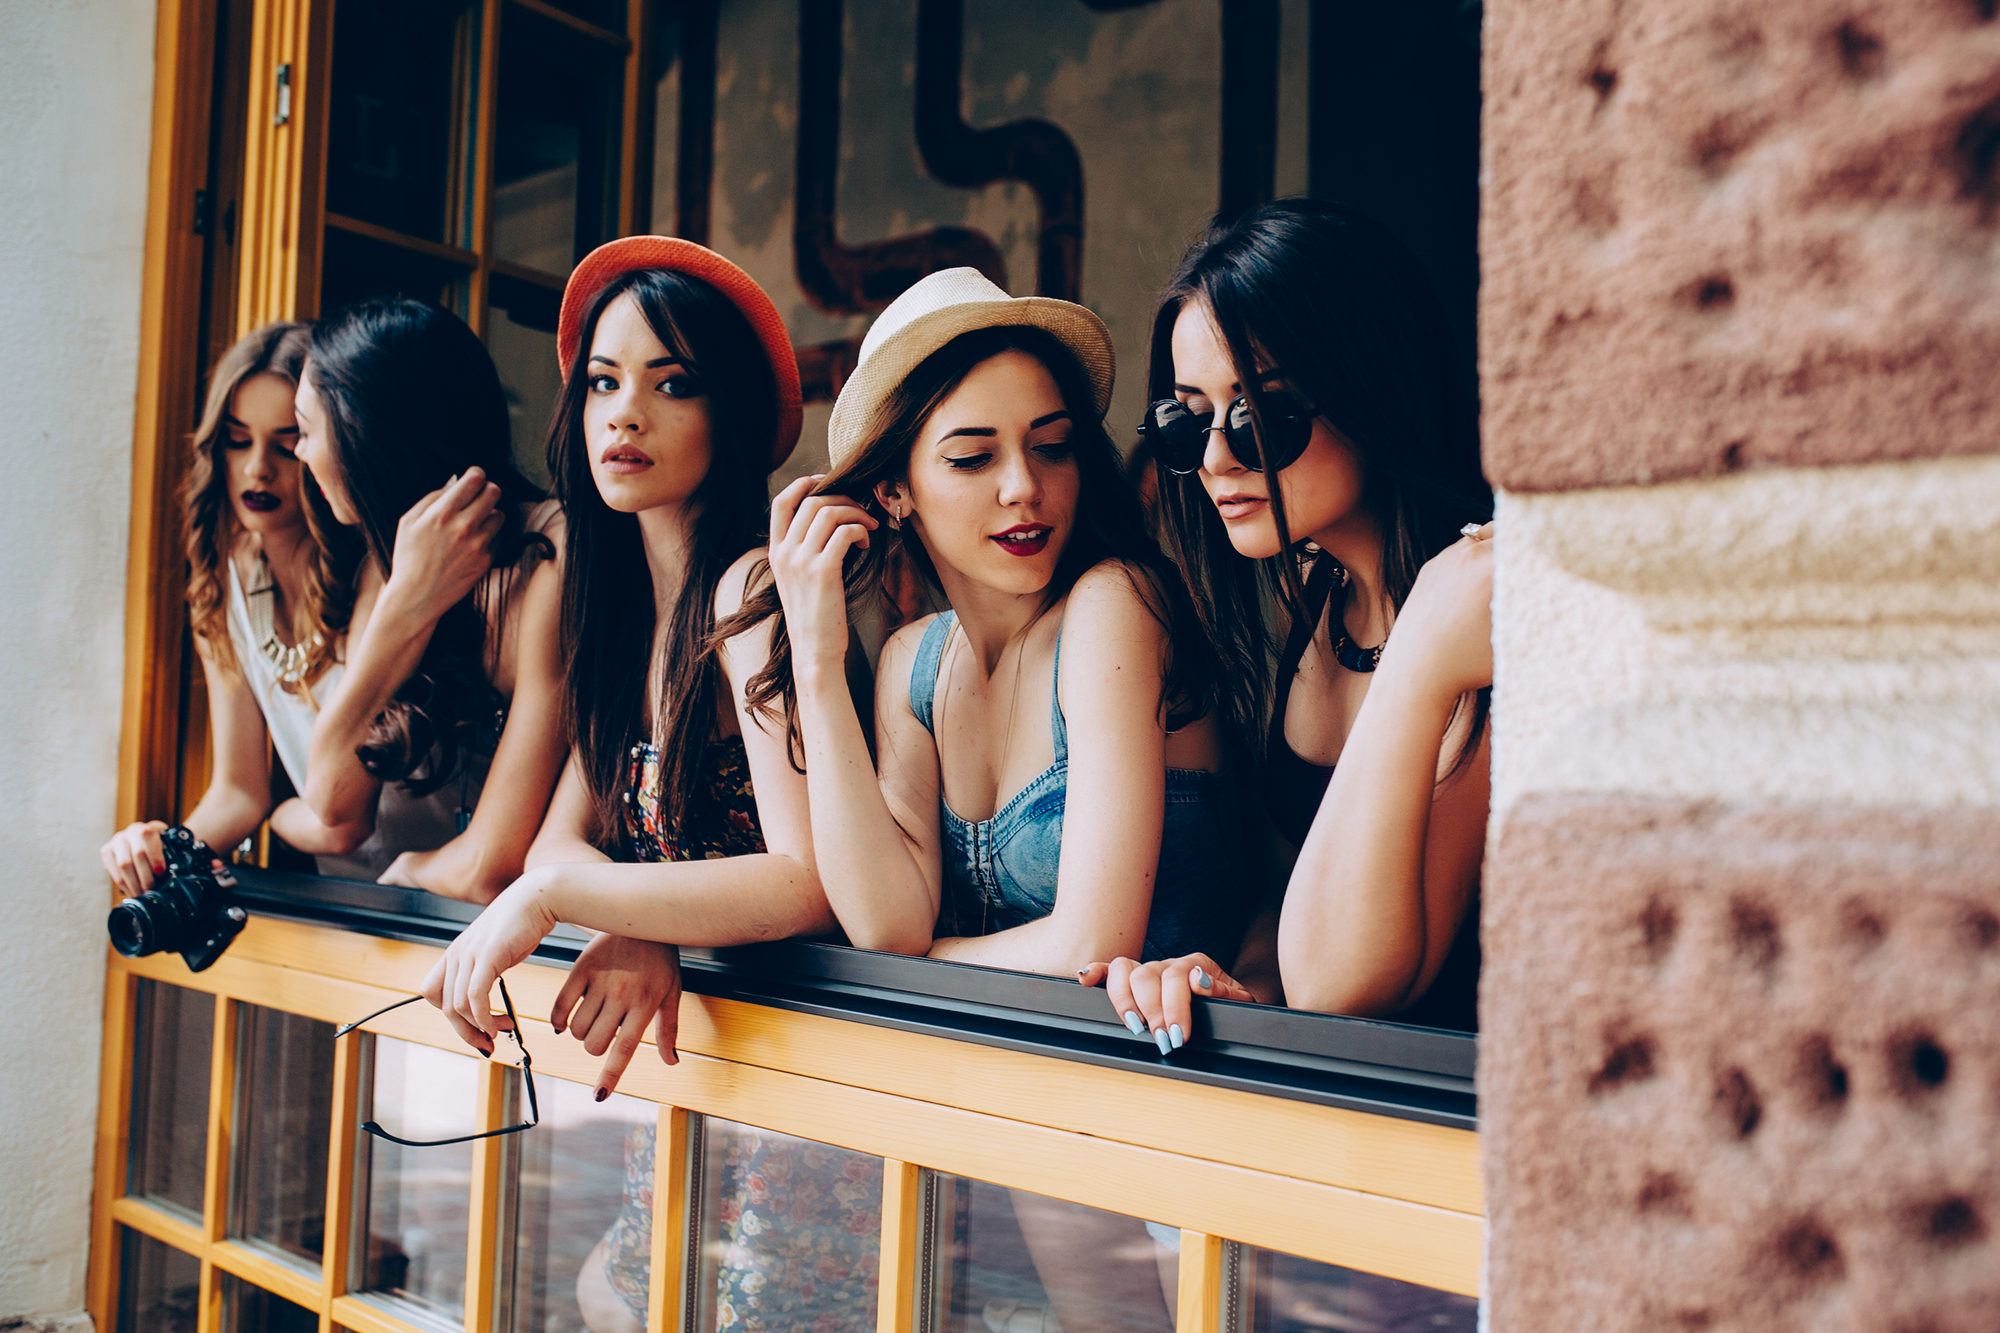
(1024, 539)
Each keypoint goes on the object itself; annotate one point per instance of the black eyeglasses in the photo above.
(1180, 437)
(527, 1076)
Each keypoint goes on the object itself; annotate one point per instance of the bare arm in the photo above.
(569, 831)
(489, 855)
(876, 839)
(1110, 684)
(442, 550)
(1391, 864)
(730, 900)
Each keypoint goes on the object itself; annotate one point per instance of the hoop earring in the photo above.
(895, 520)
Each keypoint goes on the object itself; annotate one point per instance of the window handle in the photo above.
(283, 115)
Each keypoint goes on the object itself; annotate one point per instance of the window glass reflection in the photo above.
(583, 1214)
(284, 1123)
(555, 143)
(354, 267)
(170, 1069)
(1282, 1293)
(399, 112)
(159, 1288)
(521, 335)
(418, 1213)
(790, 1234)
(248, 1309)
(1006, 1261)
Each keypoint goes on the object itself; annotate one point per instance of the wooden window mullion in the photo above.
(114, 1140)
(902, 1208)
(1200, 1283)
(673, 1216)
(482, 1238)
(335, 1263)
(485, 117)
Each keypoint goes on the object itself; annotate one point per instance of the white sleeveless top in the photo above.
(403, 823)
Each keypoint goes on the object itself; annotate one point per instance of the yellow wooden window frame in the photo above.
(1395, 1197)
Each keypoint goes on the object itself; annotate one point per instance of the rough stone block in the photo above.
(1740, 1068)
(1720, 234)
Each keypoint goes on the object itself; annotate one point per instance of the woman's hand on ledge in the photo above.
(461, 982)
(134, 857)
(1156, 998)
(615, 988)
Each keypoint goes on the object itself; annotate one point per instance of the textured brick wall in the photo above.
(1740, 358)
(1732, 233)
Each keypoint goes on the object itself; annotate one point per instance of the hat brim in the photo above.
(613, 259)
(888, 365)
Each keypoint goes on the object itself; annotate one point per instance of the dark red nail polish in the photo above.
(602, 1093)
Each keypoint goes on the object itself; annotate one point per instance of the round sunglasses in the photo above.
(1180, 437)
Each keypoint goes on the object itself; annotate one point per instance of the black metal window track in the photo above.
(1390, 1069)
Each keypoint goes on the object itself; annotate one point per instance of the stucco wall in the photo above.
(76, 83)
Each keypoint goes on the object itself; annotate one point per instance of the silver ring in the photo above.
(1470, 530)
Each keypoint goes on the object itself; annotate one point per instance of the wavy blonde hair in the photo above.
(211, 531)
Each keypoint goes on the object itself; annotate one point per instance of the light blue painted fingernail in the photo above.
(1136, 1023)
(1200, 979)
(1161, 1040)
(1174, 1032)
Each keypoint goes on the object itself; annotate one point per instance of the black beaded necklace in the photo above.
(1345, 650)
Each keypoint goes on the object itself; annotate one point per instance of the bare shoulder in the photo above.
(1113, 598)
(748, 573)
(900, 649)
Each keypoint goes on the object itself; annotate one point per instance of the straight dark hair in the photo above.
(1109, 523)
(1328, 295)
(609, 621)
(413, 400)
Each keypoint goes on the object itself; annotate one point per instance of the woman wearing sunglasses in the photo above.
(1318, 446)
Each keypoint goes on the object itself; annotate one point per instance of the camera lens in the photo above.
(131, 927)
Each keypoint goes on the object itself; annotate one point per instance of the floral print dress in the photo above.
(799, 1222)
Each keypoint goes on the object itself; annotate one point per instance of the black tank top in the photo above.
(1293, 790)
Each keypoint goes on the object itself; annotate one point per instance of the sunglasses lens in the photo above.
(1287, 430)
(1178, 436)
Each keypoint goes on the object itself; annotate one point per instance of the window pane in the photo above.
(284, 1121)
(555, 147)
(248, 1309)
(399, 113)
(583, 1213)
(354, 267)
(159, 1288)
(1007, 1261)
(521, 334)
(606, 14)
(170, 1068)
(419, 1199)
(791, 1234)
(1282, 1293)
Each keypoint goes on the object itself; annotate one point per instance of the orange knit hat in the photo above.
(604, 264)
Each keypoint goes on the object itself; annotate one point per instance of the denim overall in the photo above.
(1001, 872)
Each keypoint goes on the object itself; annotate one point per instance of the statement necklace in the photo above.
(288, 661)
(1345, 650)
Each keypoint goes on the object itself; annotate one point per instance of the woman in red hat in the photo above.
(679, 818)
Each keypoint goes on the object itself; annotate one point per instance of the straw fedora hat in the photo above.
(931, 314)
(610, 261)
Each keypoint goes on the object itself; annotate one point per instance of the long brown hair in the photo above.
(609, 620)
(1328, 294)
(1109, 524)
(211, 533)
(412, 399)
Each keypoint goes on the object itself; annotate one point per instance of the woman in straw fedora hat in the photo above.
(1307, 415)
(679, 818)
(1049, 765)
(1056, 717)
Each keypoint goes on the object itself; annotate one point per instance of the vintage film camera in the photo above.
(190, 912)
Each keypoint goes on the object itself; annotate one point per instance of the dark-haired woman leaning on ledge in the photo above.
(269, 589)
(1316, 443)
(451, 661)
